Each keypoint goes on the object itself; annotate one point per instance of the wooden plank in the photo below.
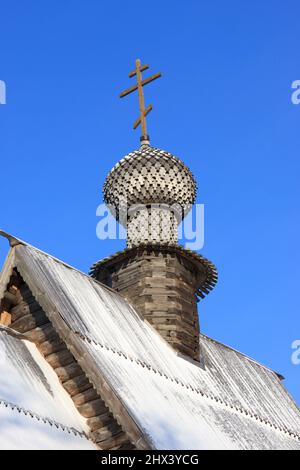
(24, 308)
(128, 91)
(84, 397)
(93, 408)
(51, 346)
(68, 372)
(142, 69)
(143, 83)
(60, 359)
(113, 443)
(32, 320)
(76, 385)
(163, 289)
(99, 421)
(29, 322)
(12, 299)
(146, 112)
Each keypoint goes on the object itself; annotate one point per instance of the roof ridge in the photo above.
(45, 420)
(238, 409)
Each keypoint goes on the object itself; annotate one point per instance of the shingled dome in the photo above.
(150, 175)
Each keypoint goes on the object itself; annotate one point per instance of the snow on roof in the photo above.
(35, 410)
(230, 401)
(21, 432)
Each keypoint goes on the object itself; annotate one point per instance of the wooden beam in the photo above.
(11, 298)
(128, 91)
(150, 79)
(143, 83)
(141, 98)
(143, 67)
(146, 112)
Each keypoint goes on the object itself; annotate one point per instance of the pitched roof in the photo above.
(35, 411)
(162, 400)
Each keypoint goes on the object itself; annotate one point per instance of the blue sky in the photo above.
(223, 106)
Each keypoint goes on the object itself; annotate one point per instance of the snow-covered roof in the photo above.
(35, 410)
(162, 400)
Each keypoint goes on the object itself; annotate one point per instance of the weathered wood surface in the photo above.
(77, 385)
(60, 359)
(27, 317)
(92, 408)
(163, 288)
(86, 396)
(68, 372)
(42, 333)
(99, 421)
(30, 321)
(51, 346)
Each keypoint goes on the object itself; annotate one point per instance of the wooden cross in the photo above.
(139, 68)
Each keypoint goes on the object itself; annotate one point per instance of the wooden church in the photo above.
(115, 359)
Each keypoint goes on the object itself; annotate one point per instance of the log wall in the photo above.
(28, 318)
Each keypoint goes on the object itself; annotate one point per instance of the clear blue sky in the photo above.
(223, 105)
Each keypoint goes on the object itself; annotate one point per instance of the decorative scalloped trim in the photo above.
(45, 420)
(211, 270)
(211, 397)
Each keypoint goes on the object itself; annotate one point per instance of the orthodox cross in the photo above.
(139, 68)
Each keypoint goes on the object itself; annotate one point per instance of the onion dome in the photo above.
(149, 191)
(150, 176)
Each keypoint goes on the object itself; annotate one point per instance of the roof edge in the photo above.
(44, 419)
(111, 398)
(280, 376)
(13, 241)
